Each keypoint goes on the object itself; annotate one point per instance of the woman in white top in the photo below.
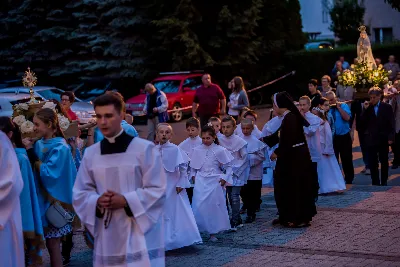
(238, 98)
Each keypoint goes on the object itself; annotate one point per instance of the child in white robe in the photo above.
(179, 223)
(240, 165)
(269, 135)
(330, 176)
(209, 194)
(188, 145)
(251, 115)
(251, 192)
(216, 124)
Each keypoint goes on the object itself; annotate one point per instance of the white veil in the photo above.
(364, 49)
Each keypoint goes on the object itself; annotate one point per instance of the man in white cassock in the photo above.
(11, 184)
(119, 193)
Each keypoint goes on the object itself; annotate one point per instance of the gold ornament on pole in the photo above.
(29, 80)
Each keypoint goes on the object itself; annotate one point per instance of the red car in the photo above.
(180, 88)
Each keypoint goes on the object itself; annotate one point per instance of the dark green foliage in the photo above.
(66, 41)
(347, 16)
(394, 3)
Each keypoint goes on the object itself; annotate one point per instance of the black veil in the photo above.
(284, 100)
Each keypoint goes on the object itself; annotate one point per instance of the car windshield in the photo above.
(168, 86)
(91, 90)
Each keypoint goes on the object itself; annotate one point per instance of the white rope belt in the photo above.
(299, 144)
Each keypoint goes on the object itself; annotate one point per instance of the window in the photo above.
(168, 86)
(193, 83)
(383, 35)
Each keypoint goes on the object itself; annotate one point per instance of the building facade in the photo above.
(382, 20)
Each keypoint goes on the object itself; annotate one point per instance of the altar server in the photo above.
(209, 194)
(188, 145)
(11, 184)
(240, 167)
(251, 192)
(31, 219)
(179, 223)
(119, 193)
(251, 115)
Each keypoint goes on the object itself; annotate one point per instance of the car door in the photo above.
(189, 90)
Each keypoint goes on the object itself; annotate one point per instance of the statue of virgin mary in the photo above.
(364, 50)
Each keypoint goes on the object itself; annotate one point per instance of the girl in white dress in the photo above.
(209, 205)
(330, 177)
(179, 223)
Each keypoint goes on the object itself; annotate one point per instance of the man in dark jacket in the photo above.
(357, 107)
(377, 124)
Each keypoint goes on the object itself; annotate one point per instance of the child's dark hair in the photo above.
(7, 125)
(313, 82)
(193, 122)
(214, 119)
(229, 118)
(251, 113)
(211, 131)
(322, 100)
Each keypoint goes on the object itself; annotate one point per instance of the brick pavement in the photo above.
(360, 227)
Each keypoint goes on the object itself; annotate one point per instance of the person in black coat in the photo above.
(357, 107)
(377, 124)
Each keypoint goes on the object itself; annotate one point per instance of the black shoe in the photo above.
(250, 219)
(66, 262)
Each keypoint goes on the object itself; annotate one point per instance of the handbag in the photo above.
(57, 216)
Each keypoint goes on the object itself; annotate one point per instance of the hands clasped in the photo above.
(111, 200)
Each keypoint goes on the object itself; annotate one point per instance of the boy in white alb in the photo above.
(251, 192)
(240, 166)
(180, 227)
(188, 145)
(312, 132)
(251, 115)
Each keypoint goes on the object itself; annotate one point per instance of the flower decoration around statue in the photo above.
(364, 74)
(23, 113)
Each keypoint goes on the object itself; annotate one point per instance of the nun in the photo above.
(295, 185)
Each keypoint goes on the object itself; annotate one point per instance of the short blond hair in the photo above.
(305, 98)
(247, 122)
(163, 124)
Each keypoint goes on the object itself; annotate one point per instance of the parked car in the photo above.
(83, 110)
(180, 88)
(7, 100)
(318, 45)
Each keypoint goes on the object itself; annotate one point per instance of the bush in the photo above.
(314, 64)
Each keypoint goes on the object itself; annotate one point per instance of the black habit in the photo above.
(295, 185)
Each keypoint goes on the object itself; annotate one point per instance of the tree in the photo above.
(394, 3)
(347, 16)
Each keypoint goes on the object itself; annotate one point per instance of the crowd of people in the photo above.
(138, 199)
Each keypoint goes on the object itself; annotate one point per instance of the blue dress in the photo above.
(30, 211)
(55, 180)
